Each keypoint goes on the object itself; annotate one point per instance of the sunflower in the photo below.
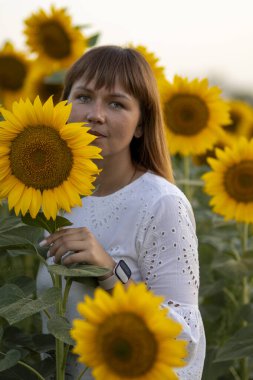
(44, 162)
(231, 181)
(158, 71)
(193, 115)
(127, 336)
(222, 142)
(241, 114)
(45, 82)
(14, 68)
(54, 37)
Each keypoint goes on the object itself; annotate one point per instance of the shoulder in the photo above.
(158, 188)
(164, 197)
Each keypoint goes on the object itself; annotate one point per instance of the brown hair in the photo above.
(105, 65)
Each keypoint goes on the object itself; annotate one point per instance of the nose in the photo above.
(95, 114)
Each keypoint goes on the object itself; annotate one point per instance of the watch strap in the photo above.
(109, 282)
(121, 272)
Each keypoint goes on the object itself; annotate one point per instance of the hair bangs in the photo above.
(114, 66)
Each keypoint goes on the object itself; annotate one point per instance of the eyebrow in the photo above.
(113, 94)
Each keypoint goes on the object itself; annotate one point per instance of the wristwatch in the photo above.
(121, 272)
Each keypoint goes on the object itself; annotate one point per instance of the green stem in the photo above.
(231, 296)
(245, 284)
(47, 314)
(190, 182)
(60, 368)
(245, 234)
(32, 370)
(65, 355)
(82, 373)
(43, 261)
(234, 373)
(29, 368)
(187, 186)
(66, 293)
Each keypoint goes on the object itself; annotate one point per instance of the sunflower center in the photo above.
(12, 73)
(55, 40)
(238, 181)
(39, 158)
(186, 114)
(46, 90)
(127, 345)
(235, 121)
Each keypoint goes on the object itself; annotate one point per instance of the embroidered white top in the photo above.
(150, 224)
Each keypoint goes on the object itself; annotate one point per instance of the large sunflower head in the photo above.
(127, 336)
(44, 161)
(14, 68)
(193, 113)
(241, 114)
(230, 183)
(54, 38)
(158, 71)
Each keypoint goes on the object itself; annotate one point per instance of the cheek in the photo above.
(124, 134)
(76, 114)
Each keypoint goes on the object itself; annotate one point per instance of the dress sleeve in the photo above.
(168, 262)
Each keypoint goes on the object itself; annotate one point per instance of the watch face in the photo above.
(122, 271)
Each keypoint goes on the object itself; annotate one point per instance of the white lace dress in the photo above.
(150, 224)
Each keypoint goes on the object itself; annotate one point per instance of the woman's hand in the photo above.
(83, 246)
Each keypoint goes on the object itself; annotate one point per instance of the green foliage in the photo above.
(226, 269)
(10, 360)
(77, 270)
(93, 40)
(225, 266)
(59, 327)
(49, 225)
(238, 346)
(20, 307)
(21, 341)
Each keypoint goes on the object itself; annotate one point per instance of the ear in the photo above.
(138, 131)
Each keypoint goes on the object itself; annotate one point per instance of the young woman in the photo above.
(137, 223)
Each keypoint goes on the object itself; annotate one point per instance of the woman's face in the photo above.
(113, 116)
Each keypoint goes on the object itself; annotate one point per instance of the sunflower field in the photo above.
(210, 138)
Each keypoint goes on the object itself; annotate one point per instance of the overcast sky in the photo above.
(195, 38)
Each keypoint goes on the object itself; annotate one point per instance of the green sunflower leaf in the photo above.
(77, 270)
(9, 223)
(11, 241)
(11, 358)
(238, 346)
(49, 225)
(232, 268)
(9, 294)
(92, 40)
(25, 307)
(59, 327)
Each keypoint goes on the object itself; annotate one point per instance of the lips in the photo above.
(96, 133)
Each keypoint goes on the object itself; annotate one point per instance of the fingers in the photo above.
(74, 258)
(82, 244)
(59, 249)
(69, 233)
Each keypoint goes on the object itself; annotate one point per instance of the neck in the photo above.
(114, 176)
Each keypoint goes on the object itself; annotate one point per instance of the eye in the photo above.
(84, 98)
(116, 105)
